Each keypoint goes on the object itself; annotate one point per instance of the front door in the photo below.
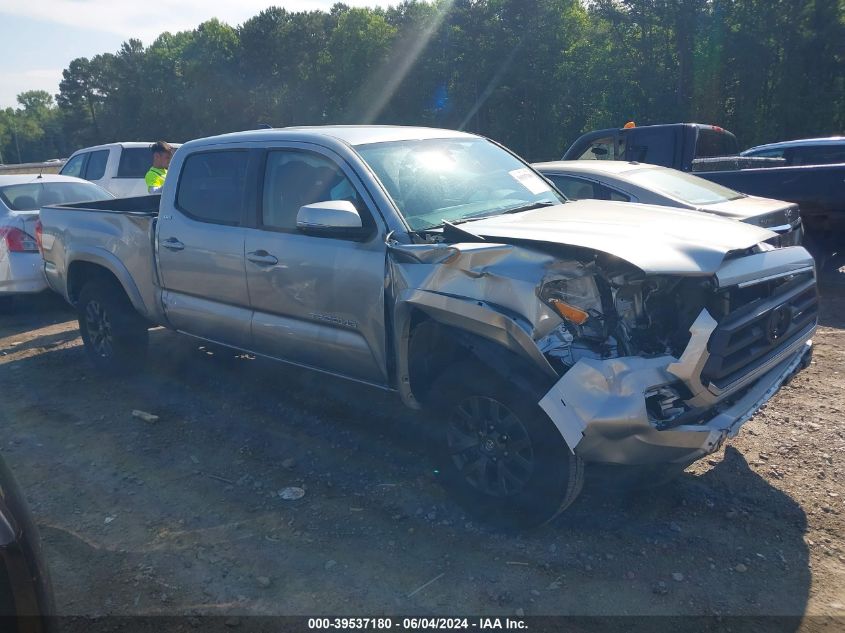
(201, 249)
(317, 301)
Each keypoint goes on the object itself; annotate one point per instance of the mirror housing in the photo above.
(332, 218)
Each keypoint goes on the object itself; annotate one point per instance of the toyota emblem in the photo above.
(779, 322)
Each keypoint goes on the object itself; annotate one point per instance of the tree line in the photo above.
(532, 75)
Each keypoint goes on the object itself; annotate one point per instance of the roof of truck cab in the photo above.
(350, 134)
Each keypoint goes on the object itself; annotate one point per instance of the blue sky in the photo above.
(38, 38)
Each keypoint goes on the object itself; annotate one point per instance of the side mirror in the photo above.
(332, 218)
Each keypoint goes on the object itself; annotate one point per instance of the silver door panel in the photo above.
(208, 319)
(343, 351)
(202, 264)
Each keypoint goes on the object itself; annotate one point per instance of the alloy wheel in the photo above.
(490, 447)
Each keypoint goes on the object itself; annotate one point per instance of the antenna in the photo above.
(40, 172)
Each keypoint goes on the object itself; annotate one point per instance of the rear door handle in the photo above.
(173, 244)
(262, 258)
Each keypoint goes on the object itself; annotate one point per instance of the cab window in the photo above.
(96, 167)
(212, 186)
(293, 179)
(599, 149)
(713, 143)
(75, 165)
(134, 162)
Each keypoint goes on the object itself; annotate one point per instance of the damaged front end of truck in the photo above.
(644, 359)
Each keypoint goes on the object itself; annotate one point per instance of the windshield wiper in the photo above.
(529, 207)
(519, 209)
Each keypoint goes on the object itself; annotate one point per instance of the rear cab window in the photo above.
(651, 145)
(212, 186)
(714, 142)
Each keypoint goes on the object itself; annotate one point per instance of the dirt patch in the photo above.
(186, 514)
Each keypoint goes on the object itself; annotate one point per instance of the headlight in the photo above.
(575, 300)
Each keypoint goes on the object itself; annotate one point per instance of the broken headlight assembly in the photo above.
(578, 302)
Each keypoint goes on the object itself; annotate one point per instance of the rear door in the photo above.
(317, 301)
(200, 246)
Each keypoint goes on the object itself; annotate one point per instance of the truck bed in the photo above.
(118, 234)
(138, 205)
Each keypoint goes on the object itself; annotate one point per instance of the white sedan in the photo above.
(21, 196)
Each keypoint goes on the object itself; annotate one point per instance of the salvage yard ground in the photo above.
(185, 514)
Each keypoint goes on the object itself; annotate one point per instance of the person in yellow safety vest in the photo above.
(162, 153)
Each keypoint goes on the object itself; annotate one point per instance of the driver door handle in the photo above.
(262, 258)
(171, 243)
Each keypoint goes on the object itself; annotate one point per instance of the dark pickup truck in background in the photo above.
(713, 153)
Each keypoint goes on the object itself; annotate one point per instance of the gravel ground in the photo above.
(187, 515)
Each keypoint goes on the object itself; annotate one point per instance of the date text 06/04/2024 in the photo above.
(411, 624)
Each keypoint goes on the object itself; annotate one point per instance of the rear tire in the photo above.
(114, 334)
(501, 455)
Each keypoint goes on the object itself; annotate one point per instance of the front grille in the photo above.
(759, 327)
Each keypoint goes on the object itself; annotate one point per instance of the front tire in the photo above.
(114, 334)
(500, 453)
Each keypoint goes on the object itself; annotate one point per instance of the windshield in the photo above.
(31, 196)
(437, 180)
(681, 186)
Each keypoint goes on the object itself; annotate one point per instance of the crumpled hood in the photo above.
(652, 238)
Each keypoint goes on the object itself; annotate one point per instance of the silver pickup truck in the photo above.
(540, 334)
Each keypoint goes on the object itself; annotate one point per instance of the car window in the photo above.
(682, 186)
(599, 149)
(96, 167)
(34, 195)
(765, 153)
(74, 166)
(293, 179)
(816, 155)
(574, 188)
(212, 186)
(606, 193)
(134, 162)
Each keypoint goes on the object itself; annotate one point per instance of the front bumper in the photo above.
(599, 408)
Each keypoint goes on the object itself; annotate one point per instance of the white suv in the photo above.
(117, 167)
